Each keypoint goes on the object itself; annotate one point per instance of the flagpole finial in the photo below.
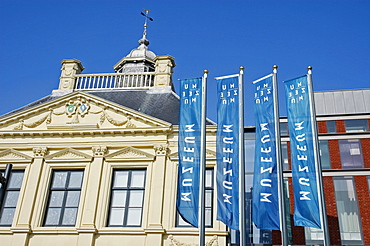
(309, 68)
(205, 71)
(241, 68)
(275, 67)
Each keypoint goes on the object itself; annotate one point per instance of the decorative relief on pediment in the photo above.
(69, 154)
(79, 112)
(35, 123)
(130, 153)
(11, 154)
(176, 242)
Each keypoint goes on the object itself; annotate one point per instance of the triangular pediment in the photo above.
(69, 154)
(210, 155)
(78, 110)
(129, 153)
(11, 155)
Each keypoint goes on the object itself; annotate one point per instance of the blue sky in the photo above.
(332, 36)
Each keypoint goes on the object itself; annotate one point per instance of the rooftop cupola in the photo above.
(140, 59)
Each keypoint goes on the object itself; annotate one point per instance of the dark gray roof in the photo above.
(163, 106)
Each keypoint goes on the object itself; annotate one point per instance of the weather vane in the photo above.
(147, 17)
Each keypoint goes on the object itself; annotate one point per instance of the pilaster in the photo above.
(88, 227)
(157, 188)
(23, 225)
(155, 229)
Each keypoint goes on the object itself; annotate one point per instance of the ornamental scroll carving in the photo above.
(175, 242)
(40, 152)
(76, 109)
(161, 150)
(99, 151)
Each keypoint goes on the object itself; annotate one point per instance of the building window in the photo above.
(127, 198)
(284, 155)
(324, 154)
(350, 153)
(209, 188)
(64, 198)
(331, 126)
(359, 125)
(10, 198)
(284, 129)
(348, 212)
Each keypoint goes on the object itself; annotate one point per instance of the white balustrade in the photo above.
(114, 81)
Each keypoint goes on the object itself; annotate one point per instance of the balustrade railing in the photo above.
(114, 81)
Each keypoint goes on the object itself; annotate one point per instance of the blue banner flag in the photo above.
(265, 181)
(304, 170)
(189, 149)
(227, 141)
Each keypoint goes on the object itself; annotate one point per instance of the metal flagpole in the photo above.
(202, 162)
(242, 225)
(283, 227)
(323, 216)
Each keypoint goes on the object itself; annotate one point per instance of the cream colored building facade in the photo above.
(96, 127)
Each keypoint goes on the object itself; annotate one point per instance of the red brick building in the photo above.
(343, 119)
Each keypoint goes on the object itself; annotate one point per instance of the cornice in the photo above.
(73, 132)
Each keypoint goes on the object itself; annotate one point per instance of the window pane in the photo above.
(75, 180)
(59, 180)
(283, 128)
(56, 198)
(134, 217)
(64, 198)
(350, 153)
(53, 216)
(127, 197)
(324, 154)
(209, 178)
(208, 216)
(136, 198)
(119, 198)
(359, 125)
(284, 155)
(7, 216)
(137, 179)
(15, 180)
(331, 126)
(116, 216)
(208, 200)
(73, 198)
(181, 222)
(69, 217)
(11, 198)
(120, 178)
(347, 207)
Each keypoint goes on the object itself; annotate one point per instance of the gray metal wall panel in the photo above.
(349, 103)
(366, 94)
(339, 107)
(358, 98)
(320, 103)
(342, 102)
